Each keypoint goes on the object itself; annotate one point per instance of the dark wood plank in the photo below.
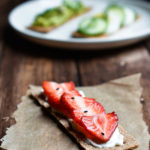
(97, 69)
(65, 70)
(5, 6)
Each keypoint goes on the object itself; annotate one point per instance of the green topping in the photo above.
(53, 17)
(73, 4)
(93, 26)
(59, 15)
(115, 11)
(108, 22)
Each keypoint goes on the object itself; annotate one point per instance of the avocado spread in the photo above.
(59, 15)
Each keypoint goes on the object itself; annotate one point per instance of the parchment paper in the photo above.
(36, 131)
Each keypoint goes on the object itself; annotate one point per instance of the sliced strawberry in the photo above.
(72, 102)
(54, 91)
(79, 106)
(99, 128)
(94, 108)
(69, 86)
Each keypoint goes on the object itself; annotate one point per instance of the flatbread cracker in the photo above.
(129, 141)
(80, 35)
(48, 29)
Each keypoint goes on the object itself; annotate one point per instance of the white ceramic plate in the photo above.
(23, 15)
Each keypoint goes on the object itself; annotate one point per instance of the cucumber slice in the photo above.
(130, 16)
(93, 26)
(73, 4)
(115, 16)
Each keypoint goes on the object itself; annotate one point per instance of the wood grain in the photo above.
(65, 70)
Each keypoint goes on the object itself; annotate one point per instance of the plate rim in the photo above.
(142, 34)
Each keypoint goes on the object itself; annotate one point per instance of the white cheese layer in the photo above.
(82, 93)
(116, 138)
(130, 16)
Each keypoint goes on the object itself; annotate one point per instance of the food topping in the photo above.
(110, 21)
(56, 16)
(87, 115)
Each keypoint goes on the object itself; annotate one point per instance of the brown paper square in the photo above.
(36, 131)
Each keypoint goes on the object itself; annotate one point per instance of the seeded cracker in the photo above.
(129, 141)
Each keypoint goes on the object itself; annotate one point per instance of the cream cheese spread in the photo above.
(116, 139)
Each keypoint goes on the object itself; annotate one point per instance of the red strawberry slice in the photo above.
(78, 106)
(99, 128)
(72, 102)
(94, 108)
(81, 106)
(54, 91)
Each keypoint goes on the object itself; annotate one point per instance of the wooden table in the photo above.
(23, 63)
